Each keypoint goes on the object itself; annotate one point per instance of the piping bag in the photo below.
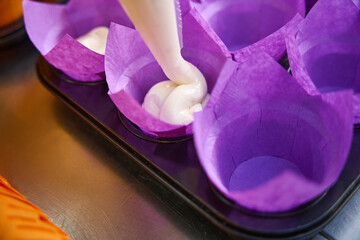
(171, 101)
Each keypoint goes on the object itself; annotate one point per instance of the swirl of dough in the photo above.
(175, 101)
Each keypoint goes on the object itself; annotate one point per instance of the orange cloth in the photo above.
(20, 219)
(10, 11)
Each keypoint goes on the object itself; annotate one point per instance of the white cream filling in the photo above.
(95, 40)
(175, 104)
(156, 97)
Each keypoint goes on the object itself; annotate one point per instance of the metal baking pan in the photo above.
(173, 164)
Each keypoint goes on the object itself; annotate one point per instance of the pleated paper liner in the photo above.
(261, 134)
(131, 70)
(54, 27)
(250, 26)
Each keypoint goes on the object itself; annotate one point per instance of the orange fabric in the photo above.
(21, 220)
(10, 11)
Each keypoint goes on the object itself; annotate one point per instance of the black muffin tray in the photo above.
(173, 164)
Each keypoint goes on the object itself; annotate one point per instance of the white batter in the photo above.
(95, 40)
(175, 103)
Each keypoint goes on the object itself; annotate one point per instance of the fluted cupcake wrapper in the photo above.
(325, 53)
(250, 26)
(329, 44)
(131, 70)
(265, 142)
(299, 71)
(53, 28)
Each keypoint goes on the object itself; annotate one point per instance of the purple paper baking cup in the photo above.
(265, 143)
(53, 28)
(131, 70)
(250, 26)
(324, 55)
(329, 45)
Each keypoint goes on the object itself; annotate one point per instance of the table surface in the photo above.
(78, 178)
